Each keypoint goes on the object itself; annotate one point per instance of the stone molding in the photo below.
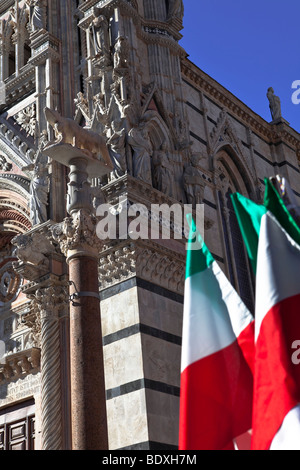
(282, 132)
(143, 259)
(20, 364)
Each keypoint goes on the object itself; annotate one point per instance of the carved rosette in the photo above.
(76, 235)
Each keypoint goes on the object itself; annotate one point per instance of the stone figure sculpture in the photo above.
(39, 188)
(193, 183)
(139, 140)
(176, 9)
(121, 53)
(162, 171)
(100, 38)
(36, 15)
(116, 144)
(275, 104)
(68, 131)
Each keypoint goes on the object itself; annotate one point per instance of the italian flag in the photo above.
(272, 240)
(217, 356)
(249, 216)
(276, 395)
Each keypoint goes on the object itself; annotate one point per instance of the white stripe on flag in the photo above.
(288, 436)
(279, 285)
(213, 309)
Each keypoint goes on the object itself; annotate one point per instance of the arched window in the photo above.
(228, 181)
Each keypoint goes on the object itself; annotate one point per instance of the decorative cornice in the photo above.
(18, 148)
(282, 133)
(144, 259)
(22, 84)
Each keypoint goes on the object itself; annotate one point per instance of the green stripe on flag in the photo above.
(198, 256)
(249, 216)
(274, 203)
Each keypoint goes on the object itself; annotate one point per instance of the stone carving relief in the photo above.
(19, 364)
(39, 187)
(194, 184)
(117, 145)
(32, 250)
(138, 139)
(100, 40)
(27, 119)
(10, 283)
(164, 268)
(162, 171)
(117, 103)
(37, 14)
(77, 232)
(4, 164)
(67, 131)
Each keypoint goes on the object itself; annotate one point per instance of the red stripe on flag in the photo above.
(216, 400)
(277, 379)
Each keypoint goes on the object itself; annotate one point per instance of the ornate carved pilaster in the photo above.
(48, 303)
(46, 287)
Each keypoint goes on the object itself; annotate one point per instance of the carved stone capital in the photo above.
(48, 301)
(76, 235)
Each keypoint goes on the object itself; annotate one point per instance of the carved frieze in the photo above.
(145, 260)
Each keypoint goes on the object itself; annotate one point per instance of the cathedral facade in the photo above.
(101, 107)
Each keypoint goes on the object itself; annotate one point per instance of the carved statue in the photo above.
(68, 131)
(121, 53)
(275, 104)
(193, 183)
(36, 14)
(139, 140)
(162, 171)
(100, 38)
(39, 188)
(176, 9)
(116, 143)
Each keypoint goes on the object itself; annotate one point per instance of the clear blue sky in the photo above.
(247, 46)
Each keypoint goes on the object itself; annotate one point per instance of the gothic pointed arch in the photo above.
(152, 101)
(228, 180)
(224, 138)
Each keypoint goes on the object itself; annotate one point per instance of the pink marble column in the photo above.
(88, 408)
